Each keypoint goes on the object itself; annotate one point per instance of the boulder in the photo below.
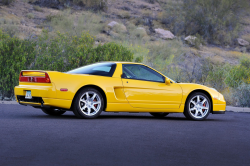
(242, 42)
(164, 34)
(115, 27)
(112, 24)
(190, 40)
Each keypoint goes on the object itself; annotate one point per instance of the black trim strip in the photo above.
(218, 112)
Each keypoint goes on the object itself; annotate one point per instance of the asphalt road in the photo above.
(29, 137)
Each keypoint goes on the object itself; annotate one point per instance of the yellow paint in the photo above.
(123, 95)
(34, 73)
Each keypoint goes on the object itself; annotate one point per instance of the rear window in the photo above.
(101, 69)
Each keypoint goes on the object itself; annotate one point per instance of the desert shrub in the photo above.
(7, 2)
(138, 33)
(173, 16)
(216, 21)
(30, 15)
(151, 1)
(241, 95)
(38, 8)
(123, 14)
(91, 4)
(146, 13)
(163, 54)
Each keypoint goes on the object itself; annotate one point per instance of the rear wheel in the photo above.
(198, 106)
(53, 112)
(89, 103)
(159, 114)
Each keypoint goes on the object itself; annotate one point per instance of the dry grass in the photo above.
(246, 37)
(102, 38)
(224, 53)
(75, 24)
(124, 14)
(217, 59)
(38, 8)
(30, 15)
(146, 13)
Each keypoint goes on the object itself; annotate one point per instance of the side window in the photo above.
(101, 69)
(140, 72)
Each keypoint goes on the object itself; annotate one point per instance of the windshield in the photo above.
(101, 69)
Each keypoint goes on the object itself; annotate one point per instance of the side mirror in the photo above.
(167, 81)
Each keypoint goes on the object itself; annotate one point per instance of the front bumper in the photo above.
(218, 112)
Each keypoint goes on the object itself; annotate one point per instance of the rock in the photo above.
(112, 24)
(164, 34)
(114, 27)
(190, 40)
(242, 42)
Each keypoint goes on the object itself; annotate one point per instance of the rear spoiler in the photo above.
(38, 76)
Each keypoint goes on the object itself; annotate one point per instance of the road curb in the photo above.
(228, 108)
(237, 109)
(8, 102)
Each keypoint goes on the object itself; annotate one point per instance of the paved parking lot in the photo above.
(29, 137)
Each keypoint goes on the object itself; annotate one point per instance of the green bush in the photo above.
(239, 74)
(217, 75)
(112, 52)
(15, 55)
(61, 53)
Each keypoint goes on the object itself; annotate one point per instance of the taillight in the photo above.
(39, 77)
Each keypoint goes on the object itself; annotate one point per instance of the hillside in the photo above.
(152, 29)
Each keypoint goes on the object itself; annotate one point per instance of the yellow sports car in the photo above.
(115, 87)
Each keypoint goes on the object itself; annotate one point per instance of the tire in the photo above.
(197, 107)
(89, 103)
(53, 112)
(159, 114)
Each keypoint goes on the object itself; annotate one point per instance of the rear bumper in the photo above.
(42, 96)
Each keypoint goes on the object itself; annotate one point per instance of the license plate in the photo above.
(28, 95)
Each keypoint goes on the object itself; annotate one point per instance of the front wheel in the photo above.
(197, 107)
(88, 104)
(53, 112)
(159, 115)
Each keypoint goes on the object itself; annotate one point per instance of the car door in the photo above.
(146, 88)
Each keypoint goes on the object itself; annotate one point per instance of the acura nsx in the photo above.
(115, 87)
